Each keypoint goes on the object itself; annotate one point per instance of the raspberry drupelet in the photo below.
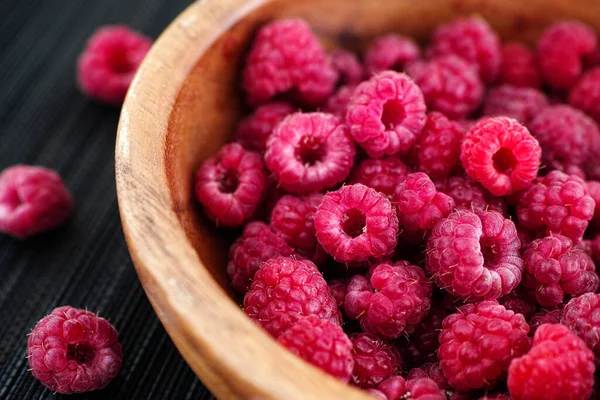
(74, 351)
(374, 360)
(470, 195)
(390, 52)
(348, 67)
(383, 175)
(519, 103)
(337, 104)
(559, 364)
(585, 94)
(519, 66)
(254, 130)
(544, 316)
(310, 152)
(398, 388)
(386, 114)
(582, 316)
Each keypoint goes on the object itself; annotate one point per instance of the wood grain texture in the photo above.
(184, 104)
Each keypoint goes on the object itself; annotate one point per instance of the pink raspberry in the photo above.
(254, 130)
(395, 298)
(74, 351)
(257, 244)
(554, 267)
(374, 360)
(287, 60)
(545, 316)
(519, 67)
(322, 344)
(585, 94)
(348, 67)
(230, 185)
(449, 84)
(470, 195)
(337, 104)
(501, 154)
(391, 52)
(478, 343)
(32, 200)
(338, 289)
(582, 316)
(109, 61)
(397, 388)
(386, 114)
(356, 224)
(473, 40)
(310, 152)
(520, 103)
(558, 360)
(382, 175)
(284, 290)
(475, 256)
(562, 51)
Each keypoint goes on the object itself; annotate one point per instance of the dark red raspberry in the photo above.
(496, 396)
(391, 52)
(74, 351)
(594, 250)
(254, 130)
(432, 371)
(562, 50)
(473, 40)
(284, 290)
(475, 256)
(544, 316)
(356, 224)
(470, 195)
(32, 200)
(338, 289)
(425, 336)
(109, 61)
(520, 103)
(310, 152)
(386, 114)
(395, 298)
(517, 302)
(478, 343)
(582, 316)
(449, 84)
(382, 175)
(287, 60)
(585, 94)
(519, 67)
(337, 104)
(558, 360)
(374, 360)
(594, 192)
(592, 167)
(348, 67)
(257, 244)
(397, 388)
(230, 185)
(321, 343)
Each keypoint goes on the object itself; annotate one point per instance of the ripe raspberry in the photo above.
(230, 185)
(397, 388)
(257, 244)
(478, 343)
(592, 167)
(585, 94)
(254, 130)
(496, 396)
(520, 67)
(562, 50)
(109, 61)
(382, 175)
(545, 316)
(284, 290)
(501, 154)
(310, 152)
(32, 200)
(595, 249)
(322, 344)
(594, 192)
(432, 371)
(395, 298)
(337, 104)
(423, 342)
(449, 84)
(516, 302)
(348, 67)
(391, 52)
(473, 40)
(522, 104)
(374, 360)
(356, 224)
(74, 351)
(558, 360)
(338, 289)
(582, 316)
(470, 195)
(386, 114)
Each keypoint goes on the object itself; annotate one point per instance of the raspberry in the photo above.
(559, 364)
(594, 192)
(501, 154)
(390, 52)
(544, 316)
(517, 303)
(520, 67)
(287, 61)
(395, 298)
(557, 204)
(449, 84)
(322, 344)
(74, 351)
(382, 175)
(109, 61)
(257, 244)
(337, 104)
(254, 130)
(562, 50)
(432, 371)
(284, 290)
(230, 185)
(397, 388)
(473, 40)
(522, 104)
(585, 94)
(386, 114)
(580, 315)
(470, 195)
(425, 336)
(374, 360)
(348, 67)
(595, 249)
(497, 396)
(478, 343)
(554, 267)
(356, 224)
(310, 152)
(338, 289)
(32, 200)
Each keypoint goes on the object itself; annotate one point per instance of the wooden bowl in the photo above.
(183, 104)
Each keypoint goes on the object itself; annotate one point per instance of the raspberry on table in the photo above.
(386, 114)
(520, 67)
(338, 289)
(109, 61)
(582, 316)
(310, 152)
(470, 195)
(230, 185)
(287, 61)
(254, 130)
(337, 104)
(32, 200)
(348, 67)
(322, 344)
(585, 94)
(390, 52)
(520, 103)
(74, 351)
(558, 364)
(355, 224)
(383, 175)
(501, 154)
(374, 360)
(397, 388)
(545, 316)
